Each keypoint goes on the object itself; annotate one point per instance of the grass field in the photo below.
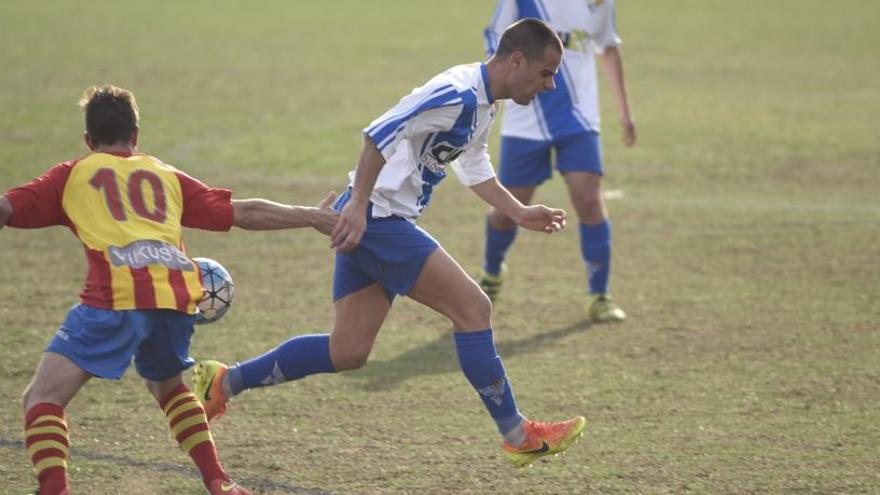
(746, 253)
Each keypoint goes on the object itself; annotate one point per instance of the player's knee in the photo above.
(163, 388)
(33, 396)
(500, 221)
(475, 313)
(587, 201)
(350, 362)
(350, 357)
(26, 398)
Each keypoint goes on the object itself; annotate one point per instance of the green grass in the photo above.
(746, 247)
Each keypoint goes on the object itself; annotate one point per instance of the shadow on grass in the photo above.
(253, 483)
(438, 356)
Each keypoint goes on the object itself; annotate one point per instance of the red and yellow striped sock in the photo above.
(47, 442)
(189, 425)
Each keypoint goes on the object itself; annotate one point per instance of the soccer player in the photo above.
(382, 253)
(141, 290)
(566, 121)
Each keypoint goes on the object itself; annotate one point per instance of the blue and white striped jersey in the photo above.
(444, 122)
(585, 27)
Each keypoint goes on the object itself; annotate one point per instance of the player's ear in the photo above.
(134, 136)
(88, 140)
(517, 58)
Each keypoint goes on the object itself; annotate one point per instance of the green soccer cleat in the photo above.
(208, 387)
(544, 439)
(491, 284)
(604, 310)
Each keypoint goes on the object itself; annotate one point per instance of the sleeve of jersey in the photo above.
(504, 15)
(421, 112)
(474, 165)
(38, 203)
(204, 207)
(606, 34)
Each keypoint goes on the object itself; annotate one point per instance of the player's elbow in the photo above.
(245, 214)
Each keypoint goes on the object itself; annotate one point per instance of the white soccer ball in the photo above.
(219, 290)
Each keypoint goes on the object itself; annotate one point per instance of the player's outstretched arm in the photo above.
(5, 211)
(262, 214)
(535, 217)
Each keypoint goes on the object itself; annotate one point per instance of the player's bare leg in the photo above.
(500, 234)
(358, 318)
(585, 189)
(56, 381)
(445, 287)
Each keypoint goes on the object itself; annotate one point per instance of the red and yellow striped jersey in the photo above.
(128, 210)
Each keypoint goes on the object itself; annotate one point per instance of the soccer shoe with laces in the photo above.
(544, 439)
(605, 310)
(208, 387)
(491, 284)
(224, 487)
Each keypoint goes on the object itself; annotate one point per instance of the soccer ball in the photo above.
(219, 290)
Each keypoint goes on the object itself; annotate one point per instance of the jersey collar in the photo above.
(484, 73)
(123, 154)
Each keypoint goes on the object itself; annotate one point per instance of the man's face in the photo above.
(530, 77)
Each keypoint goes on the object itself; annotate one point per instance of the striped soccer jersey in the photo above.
(128, 210)
(444, 122)
(585, 27)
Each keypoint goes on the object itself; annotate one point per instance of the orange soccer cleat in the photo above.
(544, 439)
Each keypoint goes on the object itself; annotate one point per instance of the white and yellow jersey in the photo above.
(586, 28)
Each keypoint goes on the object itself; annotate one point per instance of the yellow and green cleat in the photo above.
(491, 284)
(605, 310)
(208, 387)
(544, 439)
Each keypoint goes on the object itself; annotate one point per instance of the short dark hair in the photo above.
(530, 36)
(111, 113)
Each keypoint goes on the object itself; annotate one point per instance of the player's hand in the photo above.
(325, 217)
(350, 228)
(541, 218)
(628, 127)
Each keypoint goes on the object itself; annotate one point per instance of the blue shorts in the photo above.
(392, 252)
(526, 162)
(102, 342)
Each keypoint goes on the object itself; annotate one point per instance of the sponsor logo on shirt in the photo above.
(143, 253)
(574, 40)
(440, 155)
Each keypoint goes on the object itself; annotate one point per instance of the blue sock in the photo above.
(294, 359)
(483, 368)
(497, 243)
(596, 250)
